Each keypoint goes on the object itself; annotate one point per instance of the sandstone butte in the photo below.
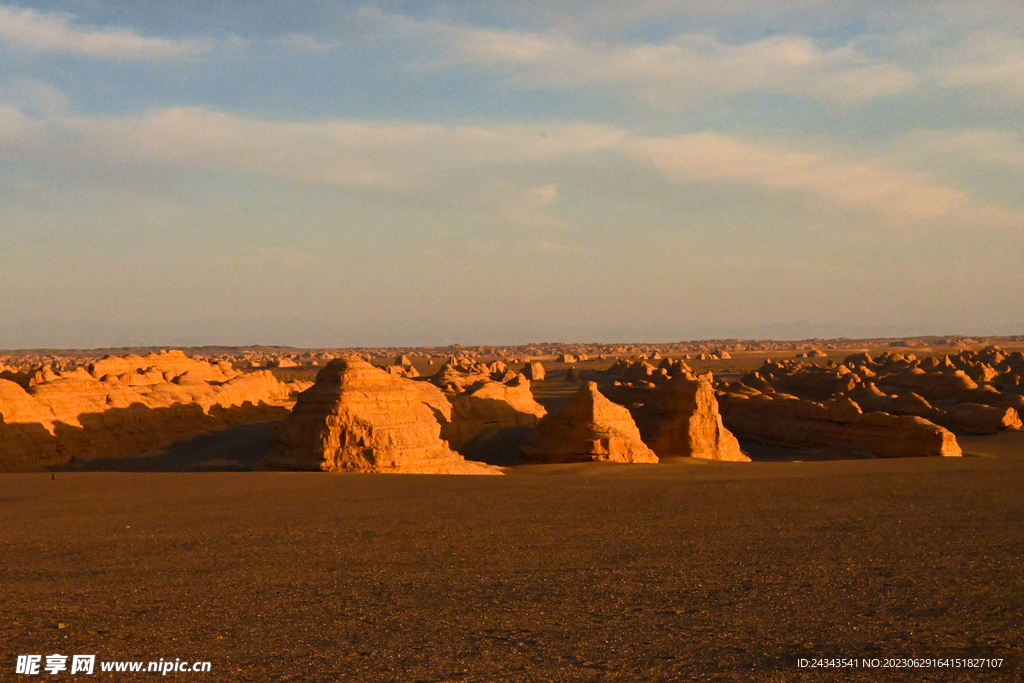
(684, 422)
(130, 405)
(676, 411)
(358, 418)
(588, 427)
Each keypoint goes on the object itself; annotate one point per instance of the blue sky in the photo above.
(330, 173)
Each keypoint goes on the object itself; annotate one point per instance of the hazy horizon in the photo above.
(203, 333)
(415, 174)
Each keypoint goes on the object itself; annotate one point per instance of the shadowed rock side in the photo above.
(493, 410)
(588, 427)
(75, 416)
(488, 407)
(358, 418)
(789, 421)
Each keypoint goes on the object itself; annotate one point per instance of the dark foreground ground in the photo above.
(689, 571)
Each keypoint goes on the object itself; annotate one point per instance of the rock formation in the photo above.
(677, 414)
(962, 392)
(588, 427)
(682, 420)
(169, 364)
(789, 421)
(358, 418)
(533, 371)
(487, 407)
(132, 408)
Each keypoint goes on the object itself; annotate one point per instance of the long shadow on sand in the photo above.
(236, 449)
(498, 447)
(762, 452)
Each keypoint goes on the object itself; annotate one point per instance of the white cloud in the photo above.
(484, 171)
(46, 32)
(544, 194)
(36, 98)
(690, 68)
(548, 245)
(387, 155)
(260, 257)
(899, 196)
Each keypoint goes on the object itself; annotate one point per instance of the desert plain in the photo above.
(696, 511)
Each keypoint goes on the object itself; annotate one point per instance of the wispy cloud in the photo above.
(14, 124)
(687, 69)
(33, 31)
(261, 257)
(385, 155)
(896, 195)
(487, 170)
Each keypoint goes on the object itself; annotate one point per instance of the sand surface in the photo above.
(679, 571)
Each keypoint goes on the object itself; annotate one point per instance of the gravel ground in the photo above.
(684, 571)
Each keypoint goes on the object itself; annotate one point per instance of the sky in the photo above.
(322, 173)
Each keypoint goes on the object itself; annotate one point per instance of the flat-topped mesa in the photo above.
(358, 418)
(589, 427)
(681, 420)
(786, 420)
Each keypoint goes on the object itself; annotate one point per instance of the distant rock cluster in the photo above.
(366, 419)
(890, 405)
(373, 412)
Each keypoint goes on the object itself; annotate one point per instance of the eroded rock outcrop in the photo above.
(486, 407)
(74, 415)
(358, 418)
(677, 414)
(589, 427)
(978, 393)
(169, 364)
(835, 423)
(683, 421)
(534, 371)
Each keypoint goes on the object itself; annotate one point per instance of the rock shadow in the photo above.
(764, 452)
(497, 446)
(115, 438)
(236, 449)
